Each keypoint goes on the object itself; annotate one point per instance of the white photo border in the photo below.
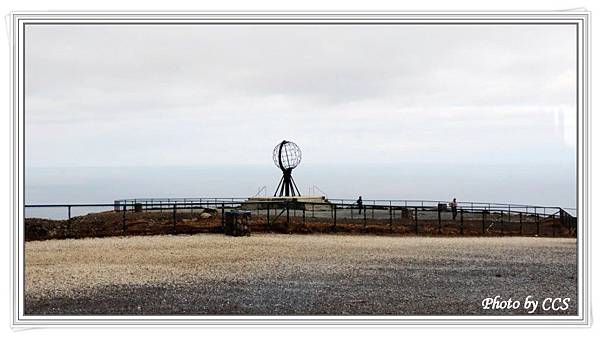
(18, 23)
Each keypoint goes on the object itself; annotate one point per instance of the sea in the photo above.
(517, 183)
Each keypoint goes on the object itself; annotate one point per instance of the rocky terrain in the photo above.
(112, 223)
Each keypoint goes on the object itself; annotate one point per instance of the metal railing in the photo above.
(420, 217)
(468, 205)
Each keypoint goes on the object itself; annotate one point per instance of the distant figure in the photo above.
(360, 204)
(454, 207)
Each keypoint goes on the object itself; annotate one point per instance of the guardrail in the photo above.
(470, 205)
(417, 217)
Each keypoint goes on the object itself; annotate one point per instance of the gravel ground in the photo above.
(279, 274)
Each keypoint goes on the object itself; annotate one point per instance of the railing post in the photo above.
(124, 219)
(174, 215)
(222, 215)
(364, 216)
(483, 222)
(304, 215)
(537, 221)
(509, 213)
(391, 218)
(287, 214)
(562, 218)
(416, 220)
(439, 220)
(373, 211)
(269, 215)
(461, 222)
(501, 222)
(68, 222)
(351, 212)
(520, 223)
(313, 211)
(335, 217)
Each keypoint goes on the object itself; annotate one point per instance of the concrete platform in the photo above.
(263, 202)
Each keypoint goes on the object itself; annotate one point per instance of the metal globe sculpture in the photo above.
(287, 156)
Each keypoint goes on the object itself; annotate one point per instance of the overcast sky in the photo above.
(100, 95)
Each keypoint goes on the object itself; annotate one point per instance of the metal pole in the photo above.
(365, 216)
(334, 217)
(537, 221)
(416, 220)
(303, 215)
(501, 222)
(268, 215)
(222, 214)
(174, 215)
(483, 222)
(391, 217)
(124, 222)
(373, 211)
(287, 212)
(439, 220)
(520, 223)
(461, 221)
(69, 220)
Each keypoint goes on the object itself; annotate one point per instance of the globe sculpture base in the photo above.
(287, 186)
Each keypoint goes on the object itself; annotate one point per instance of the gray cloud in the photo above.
(187, 95)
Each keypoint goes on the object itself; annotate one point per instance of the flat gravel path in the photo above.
(274, 274)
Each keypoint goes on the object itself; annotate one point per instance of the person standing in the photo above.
(359, 203)
(454, 207)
